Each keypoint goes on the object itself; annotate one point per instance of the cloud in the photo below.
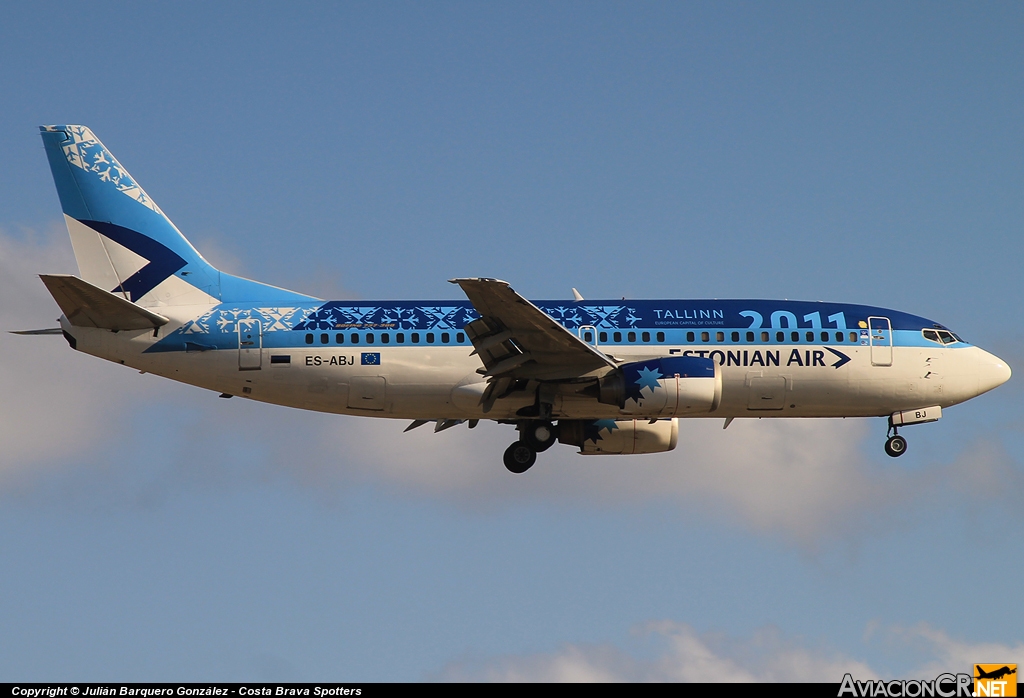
(808, 480)
(682, 654)
(56, 404)
(950, 654)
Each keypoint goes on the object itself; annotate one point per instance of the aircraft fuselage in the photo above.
(412, 359)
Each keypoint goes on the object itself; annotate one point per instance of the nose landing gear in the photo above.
(895, 445)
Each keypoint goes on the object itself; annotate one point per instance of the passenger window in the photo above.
(602, 336)
(354, 338)
(588, 336)
(764, 336)
(689, 336)
(810, 336)
(704, 337)
(719, 336)
(415, 337)
(794, 336)
(853, 337)
(824, 336)
(430, 337)
(780, 336)
(369, 337)
(631, 337)
(460, 338)
(646, 336)
(839, 336)
(617, 336)
(445, 337)
(661, 336)
(400, 337)
(339, 338)
(750, 336)
(735, 336)
(385, 338)
(309, 339)
(325, 338)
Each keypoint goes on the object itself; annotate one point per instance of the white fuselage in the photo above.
(443, 382)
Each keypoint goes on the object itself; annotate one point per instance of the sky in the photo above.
(864, 153)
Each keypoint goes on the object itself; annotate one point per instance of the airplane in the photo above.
(995, 674)
(605, 376)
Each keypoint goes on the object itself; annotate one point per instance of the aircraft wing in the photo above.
(516, 339)
(86, 305)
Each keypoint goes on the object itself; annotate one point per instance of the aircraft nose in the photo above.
(992, 372)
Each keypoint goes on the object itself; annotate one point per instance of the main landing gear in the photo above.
(519, 457)
(534, 437)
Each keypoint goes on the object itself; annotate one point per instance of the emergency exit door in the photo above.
(588, 333)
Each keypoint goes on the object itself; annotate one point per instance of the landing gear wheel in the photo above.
(539, 436)
(896, 446)
(519, 457)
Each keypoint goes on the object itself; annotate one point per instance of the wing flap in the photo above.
(515, 338)
(86, 305)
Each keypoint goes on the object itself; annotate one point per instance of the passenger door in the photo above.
(250, 345)
(880, 339)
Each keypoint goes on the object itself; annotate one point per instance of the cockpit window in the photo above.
(941, 336)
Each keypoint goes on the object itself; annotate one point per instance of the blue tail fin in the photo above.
(123, 241)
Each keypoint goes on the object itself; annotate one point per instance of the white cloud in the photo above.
(688, 656)
(54, 403)
(684, 656)
(950, 654)
(806, 479)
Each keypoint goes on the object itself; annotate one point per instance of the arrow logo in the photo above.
(843, 358)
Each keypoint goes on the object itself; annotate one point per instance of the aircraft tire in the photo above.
(896, 446)
(540, 436)
(519, 457)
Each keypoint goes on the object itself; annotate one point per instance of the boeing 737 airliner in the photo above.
(605, 376)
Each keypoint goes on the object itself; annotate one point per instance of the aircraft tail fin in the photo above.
(123, 242)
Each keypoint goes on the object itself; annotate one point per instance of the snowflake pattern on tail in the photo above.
(87, 152)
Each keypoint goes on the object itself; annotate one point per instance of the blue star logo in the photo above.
(648, 378)
(593, 429)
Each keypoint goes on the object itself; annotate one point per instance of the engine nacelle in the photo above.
(664, 387)
(619, 436)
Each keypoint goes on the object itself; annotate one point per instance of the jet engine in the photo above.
(619, 436)
(663, 387)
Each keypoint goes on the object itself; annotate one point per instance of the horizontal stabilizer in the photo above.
(49, 330)
(86, 305)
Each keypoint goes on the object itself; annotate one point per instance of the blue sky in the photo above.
(864, 153)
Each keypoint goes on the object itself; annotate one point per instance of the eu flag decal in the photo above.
(370, 358)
